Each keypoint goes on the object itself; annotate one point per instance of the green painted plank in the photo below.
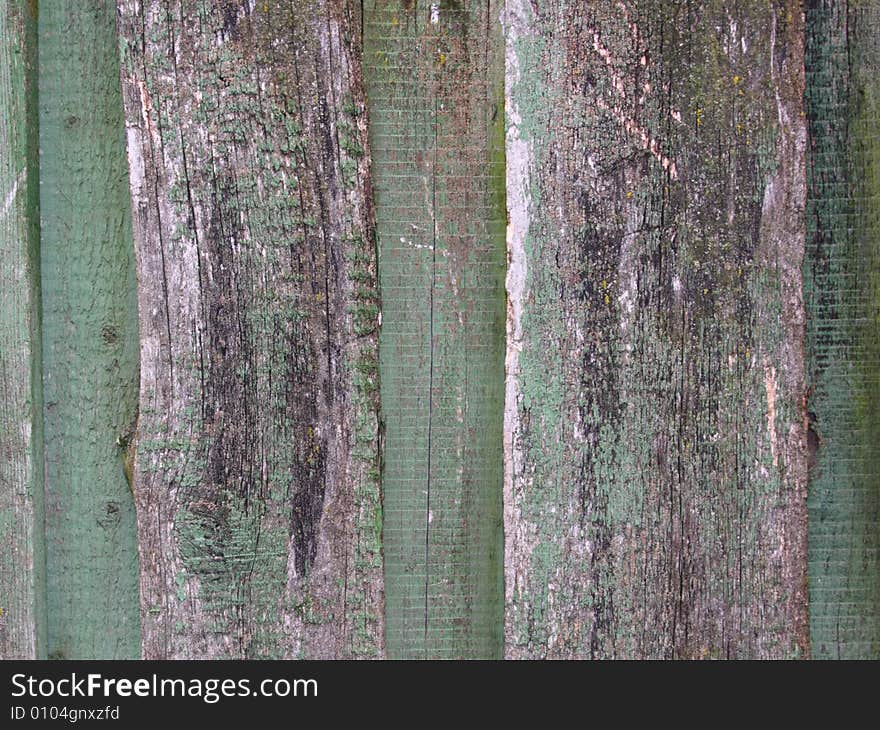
(655, 436)
(89, 335)
(22, 559)
(258, 444)
(842, 292)
(434, 77)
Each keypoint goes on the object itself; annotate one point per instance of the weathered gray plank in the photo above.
(257, 454)
(655, 426)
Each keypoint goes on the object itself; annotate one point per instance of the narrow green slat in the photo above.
(22, 558)
(89, 335)
(842, 293)
(434, 78)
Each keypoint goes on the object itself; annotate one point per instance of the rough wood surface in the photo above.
(193, 457)
(22, 556)
(89, 335)
(841, 273)
(434, 73)
(655, 490)
(257, 452)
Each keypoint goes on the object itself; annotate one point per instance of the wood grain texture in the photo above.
(842, 292)
(692, 313)
(22, 557)
(257, 452)
(655, 489)
(89, 335)
(434, 73)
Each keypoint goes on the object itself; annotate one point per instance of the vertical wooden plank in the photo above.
(22, 559)
(258, 444)
(842, 291)
(655, 430)
(89, 335)
(434, 73)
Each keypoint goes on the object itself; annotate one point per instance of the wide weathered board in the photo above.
(257, 447)
(22, 556)
(89, 335)
(434, 73)
(842, 293)
(655, 436)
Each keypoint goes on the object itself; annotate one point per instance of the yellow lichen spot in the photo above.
(699, 117)
(629, 194)
(319, 297)
(705, 291)
(265, 7)
(736, 80)
(604, 284)
(394, 21)
(739, 128)
(441, 58)
(607, 299)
